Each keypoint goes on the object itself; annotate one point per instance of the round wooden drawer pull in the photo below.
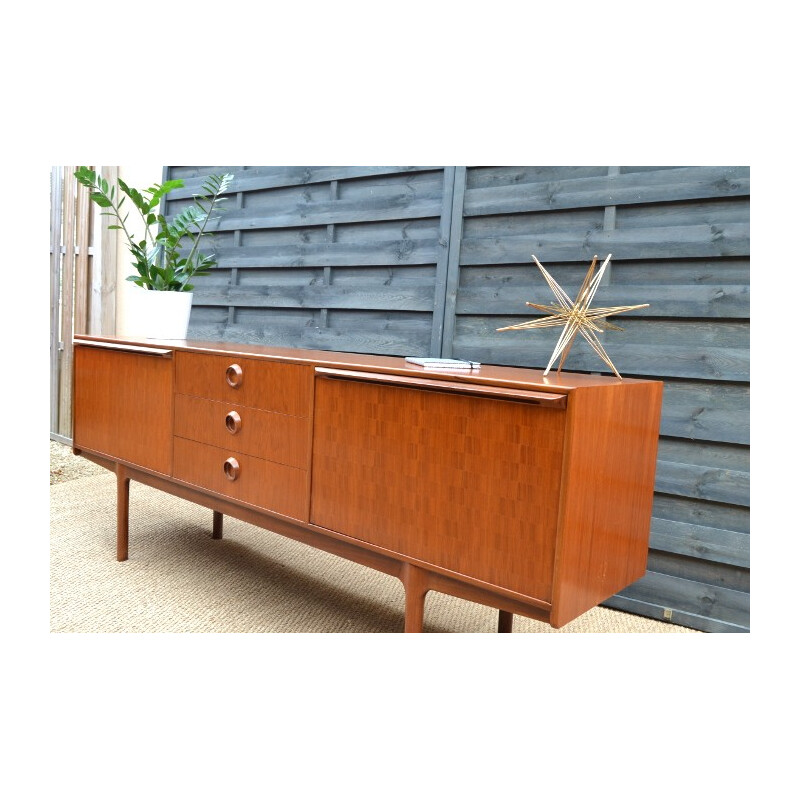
(233, 422)
(234, 376)
(231, 468)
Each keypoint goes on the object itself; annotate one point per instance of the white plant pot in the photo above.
(158, 315)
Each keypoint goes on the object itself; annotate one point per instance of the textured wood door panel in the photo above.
(468, 484)
(123, 406)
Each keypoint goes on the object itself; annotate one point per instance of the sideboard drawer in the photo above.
(273, 487)
(269, 385)
(265, 434)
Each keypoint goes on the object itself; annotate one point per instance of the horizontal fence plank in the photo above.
(720, 456)
(609, 190)
(364, 193)
(392, 206)
(709, 411)
(367, 233)
(332, 254)
(664, 301)
(259, 178)
(377, 320)
(694, 511)
(386, 342)
(644, 348)
(393, 297)
(726, 606)
(668, 272)
(678, 616)
(365, 277)
(694, 480)
(699, 541)
(706, 471)
(625, 170)
(569, 222)
(563, 224)
(700, 570)
(381, 343)
(720, 213)
(202, 315)
(266, 334)
(345, 319)
(703, 334)
(695, 241)
(480, 177)
(630, 360)
(277, 318)
(360, 277)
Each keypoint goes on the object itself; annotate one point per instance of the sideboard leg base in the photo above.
(216, 531)
(123, 502)
(416, 588)
(505, 622)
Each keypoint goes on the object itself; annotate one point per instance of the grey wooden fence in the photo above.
(432, 260)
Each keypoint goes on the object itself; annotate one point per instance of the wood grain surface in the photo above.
(607, 496)
(265, 434)
(468, 484)
(123, 406)
(273, 487)
(269, 385)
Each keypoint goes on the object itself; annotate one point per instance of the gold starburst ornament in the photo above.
(576, 317)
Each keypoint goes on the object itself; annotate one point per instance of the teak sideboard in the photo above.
(525, 493)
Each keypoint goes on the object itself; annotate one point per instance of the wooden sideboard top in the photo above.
(487, 374)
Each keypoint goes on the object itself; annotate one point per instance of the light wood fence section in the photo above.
(82, 286)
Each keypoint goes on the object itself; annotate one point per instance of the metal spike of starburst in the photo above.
(576, 317)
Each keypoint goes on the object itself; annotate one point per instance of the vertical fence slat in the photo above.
(108, 265)
(67, 305)
(609, 224)
(82, 285)
(95, 276)
(327, 272)
(56, 200)
(454, 260)
(437, 332)
(237, 242)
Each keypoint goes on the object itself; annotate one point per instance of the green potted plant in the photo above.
(168, 255)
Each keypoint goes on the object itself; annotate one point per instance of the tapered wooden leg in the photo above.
(123, 502)
(216, 532)
(416, 588)
(505, 622)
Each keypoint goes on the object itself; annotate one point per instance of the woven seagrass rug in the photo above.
(179, 580)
